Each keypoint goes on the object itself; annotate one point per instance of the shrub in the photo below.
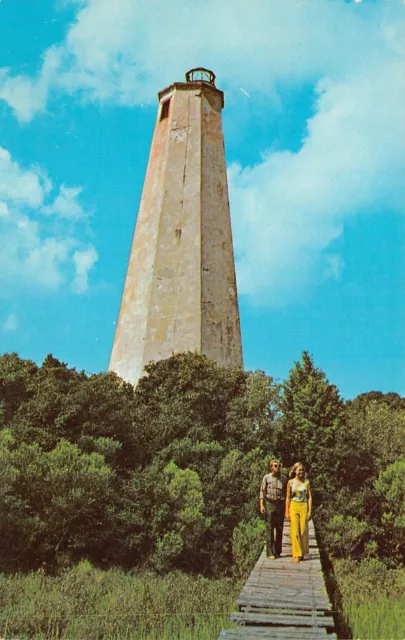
(345, 536)
(247, 544)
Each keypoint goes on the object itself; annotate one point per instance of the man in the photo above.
(272, 504)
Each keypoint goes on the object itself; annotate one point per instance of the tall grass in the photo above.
(373, 599)
(87, 603)
(378, 618)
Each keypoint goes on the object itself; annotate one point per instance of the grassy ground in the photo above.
(86, 603)
(373, 599)
(380, 618)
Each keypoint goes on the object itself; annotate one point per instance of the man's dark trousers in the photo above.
(274, 526)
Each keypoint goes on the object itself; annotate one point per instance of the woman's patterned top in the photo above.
(299, 491)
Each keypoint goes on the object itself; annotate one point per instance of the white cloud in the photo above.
(33, 254)
(19, 185)
(3, 210)
(287, 210)
(66, 204)
(84, 260)
(126, 50)
(29, 96)
(10, 324)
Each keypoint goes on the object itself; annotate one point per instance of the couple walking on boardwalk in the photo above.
(281, 498)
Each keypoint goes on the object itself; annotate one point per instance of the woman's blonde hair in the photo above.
(293, 470)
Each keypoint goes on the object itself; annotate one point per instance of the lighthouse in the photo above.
(180, 289)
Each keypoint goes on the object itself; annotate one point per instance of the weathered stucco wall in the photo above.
(127, 353)
(180, 288)
(220, 335)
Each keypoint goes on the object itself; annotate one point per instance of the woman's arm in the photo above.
(309, 514)
(287, 501)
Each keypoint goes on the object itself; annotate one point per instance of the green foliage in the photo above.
(372, 598)
(191, 396)
(312, 413)
(391, 400)
(390, 492)
(14, 376)
(372, 439)
(346, 536)
(247, 544)
(390, 487)
(45, 404)
(88, 604)
(62, 494)
(166, 475)
(158, 476)
(181, 523)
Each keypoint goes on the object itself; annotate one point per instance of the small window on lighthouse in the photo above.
(164, 113)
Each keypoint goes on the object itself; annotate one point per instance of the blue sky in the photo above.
(315, 145)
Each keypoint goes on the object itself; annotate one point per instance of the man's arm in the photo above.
(287, 502)
(262, 494)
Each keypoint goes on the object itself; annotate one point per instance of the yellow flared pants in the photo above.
(299, 528)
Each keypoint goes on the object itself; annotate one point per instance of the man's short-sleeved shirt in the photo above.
(273, 487)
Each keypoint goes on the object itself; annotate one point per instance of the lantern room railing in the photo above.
(201, 75)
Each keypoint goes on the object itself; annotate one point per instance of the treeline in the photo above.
(166, 475)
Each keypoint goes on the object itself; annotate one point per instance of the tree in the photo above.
(190, 395)
(14, 377)
(93, 467)
(182, 492)
(66, 496)
(373, 439)
(390, 493)
(312, 413)
(363, 400)
(45, 404)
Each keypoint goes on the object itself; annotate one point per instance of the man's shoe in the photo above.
(271, 557)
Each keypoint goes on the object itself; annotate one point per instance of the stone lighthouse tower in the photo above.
(180, 288)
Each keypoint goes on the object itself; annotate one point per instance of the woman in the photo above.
(298, 508)
(293, 469)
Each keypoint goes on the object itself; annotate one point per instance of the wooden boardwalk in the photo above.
(284, 600)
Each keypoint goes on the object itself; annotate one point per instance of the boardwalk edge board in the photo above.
(283, 600)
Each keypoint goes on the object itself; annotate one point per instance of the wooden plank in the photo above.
(312, 580)
(256, 601)
(277, 620)
(304, 566)
(283, 612)
(287, 633)
(282, 632)
(263, 599)
(299, 571)
(301, 633)
(287, 580)
(277, 576)
(286, 588)
(299, 576)
(292, 585)
(286, 561)
(283, 595)
(285, 591)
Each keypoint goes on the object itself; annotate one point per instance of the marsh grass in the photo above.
(378, 618)
(87, 603)
(372, 599)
